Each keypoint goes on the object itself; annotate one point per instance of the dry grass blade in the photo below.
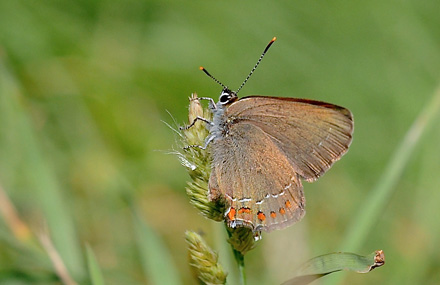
(60, 267)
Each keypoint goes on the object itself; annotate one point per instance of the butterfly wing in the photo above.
(261, 186)
(312, 134)
(266, 145)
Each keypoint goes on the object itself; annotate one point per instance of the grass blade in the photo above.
(156, 260)
(333, 262)
(373, 207)
(45, 187)
(380, 195)
(95, 272)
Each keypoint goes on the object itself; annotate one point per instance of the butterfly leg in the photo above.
(198, 118)
(208, 140)
(211, 101)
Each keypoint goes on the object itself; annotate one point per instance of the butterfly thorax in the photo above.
(219, 127)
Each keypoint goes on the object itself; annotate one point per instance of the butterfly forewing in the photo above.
(311, 134)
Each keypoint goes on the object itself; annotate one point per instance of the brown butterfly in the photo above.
(262, 146)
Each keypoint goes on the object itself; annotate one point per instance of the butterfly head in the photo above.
(227, 97)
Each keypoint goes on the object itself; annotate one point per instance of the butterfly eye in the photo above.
(224, 98)
(227, 97)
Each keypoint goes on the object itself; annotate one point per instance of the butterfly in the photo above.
(261, 149)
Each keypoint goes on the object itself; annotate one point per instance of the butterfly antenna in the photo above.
(258, 62)
(207, 73)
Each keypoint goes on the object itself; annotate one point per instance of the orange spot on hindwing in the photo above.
(282, 211)
(244, 210)
(273, 214)
(288, 205)
(231, 214)
(261, 216)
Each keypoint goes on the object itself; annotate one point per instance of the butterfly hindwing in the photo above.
(261, 187)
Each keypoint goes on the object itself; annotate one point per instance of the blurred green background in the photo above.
(85, 86)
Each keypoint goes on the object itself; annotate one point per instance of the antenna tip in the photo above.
(274, 39)
(201, 68)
